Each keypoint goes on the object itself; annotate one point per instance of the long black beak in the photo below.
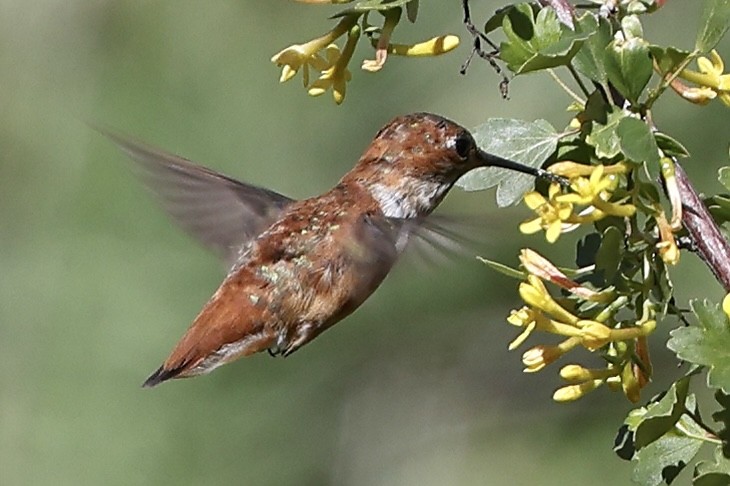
(490, 160)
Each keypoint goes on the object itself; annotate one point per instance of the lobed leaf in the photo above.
(590, 59)
(629, 67)
(636, 141)
(530, 143)
(541, 42)
(706, 343)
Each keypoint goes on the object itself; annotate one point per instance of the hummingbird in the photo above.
(297, 267)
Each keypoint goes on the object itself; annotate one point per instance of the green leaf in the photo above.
(719, 207)
(722, 416)
(636, 141)
(603, 136)
(713, 474)
(723, 175)
(495, 21)
(668, 59)
(629, 67)
(542, 42)
(714, 23)
(664, 459)
(412, 10)
(670, 146)
(665, 437)
(586, 250)
(530, 143)
(503, 269)
(706, 343)
(590, 59)
(631, 27)
(610, 253)
(661, 416)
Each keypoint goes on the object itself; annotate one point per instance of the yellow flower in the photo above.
(595, 334)
(672, 190)
(551, 214)
(667, 247)
(540, 266)
(576, 373)
(432, 47)
(596, 191)
(540, 356)
(302, 56)
(531, 319)
(534, 293)
(710, 80)
(574, 392)
(337, 76)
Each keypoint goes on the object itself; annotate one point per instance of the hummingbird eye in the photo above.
(463, 145)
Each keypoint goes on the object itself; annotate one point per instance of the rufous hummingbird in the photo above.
(298, 267)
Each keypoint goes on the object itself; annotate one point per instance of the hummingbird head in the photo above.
(415, 159)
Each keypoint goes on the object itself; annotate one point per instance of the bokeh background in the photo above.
(416, 388)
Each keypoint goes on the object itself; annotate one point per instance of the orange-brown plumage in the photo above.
(298, 267)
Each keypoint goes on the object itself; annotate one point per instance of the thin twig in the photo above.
(565, 87)
(490, 56)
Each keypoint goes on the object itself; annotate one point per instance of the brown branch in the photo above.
(711, 246)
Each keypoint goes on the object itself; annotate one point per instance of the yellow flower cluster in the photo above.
(324, 56)
(591, 187)
(626, 367)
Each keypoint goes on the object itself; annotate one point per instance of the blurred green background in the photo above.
(417, 387)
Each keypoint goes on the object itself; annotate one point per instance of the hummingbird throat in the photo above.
(420, 198)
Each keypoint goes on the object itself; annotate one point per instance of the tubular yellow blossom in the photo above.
(338, 75)
(432, 47)
(576, 373)
(667, 247)
(540, 266)
(538, 357)
(530, 320)
(630, 384)
(534, 293)
(301, 56)
(672, 189)
(709, 78)
(574, 392)
(595, 335)
(574, 169)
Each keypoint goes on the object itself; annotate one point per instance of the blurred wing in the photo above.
(220, 212)
(436, 239)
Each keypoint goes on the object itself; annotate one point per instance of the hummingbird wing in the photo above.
(220, 212)
(434, 239)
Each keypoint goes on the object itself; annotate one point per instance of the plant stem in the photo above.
(565, 87)
(576, 76)
(711, 246)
